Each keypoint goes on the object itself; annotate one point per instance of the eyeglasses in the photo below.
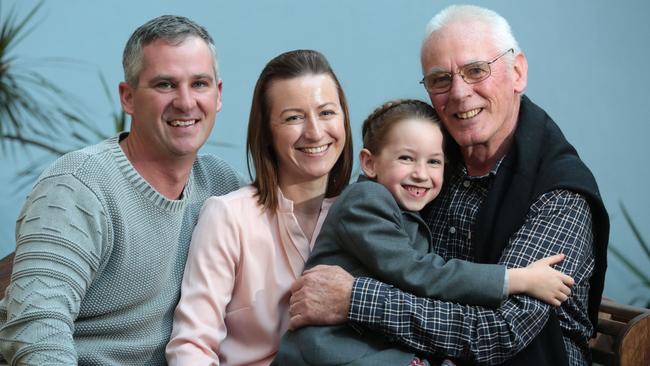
(439, 82)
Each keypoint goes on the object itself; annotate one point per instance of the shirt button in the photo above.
(452, 230)
(466, 183)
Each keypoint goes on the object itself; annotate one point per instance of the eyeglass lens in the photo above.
(471, 73)
(440, 82)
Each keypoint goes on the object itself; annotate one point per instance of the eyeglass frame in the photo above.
(462, 76)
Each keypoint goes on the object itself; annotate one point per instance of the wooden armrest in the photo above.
(6, 265)
(623, 336)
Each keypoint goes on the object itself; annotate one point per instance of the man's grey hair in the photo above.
(172, 29)
(500, 29)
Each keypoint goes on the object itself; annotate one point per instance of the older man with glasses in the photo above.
(517, 192)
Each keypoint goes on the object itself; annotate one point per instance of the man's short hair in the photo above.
(500, 29)
(172, 29)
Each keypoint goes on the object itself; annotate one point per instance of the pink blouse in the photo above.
(234, 305)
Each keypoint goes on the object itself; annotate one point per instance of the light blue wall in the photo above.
(586, 68)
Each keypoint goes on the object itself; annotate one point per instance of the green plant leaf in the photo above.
(642, 243)
(118, 115)
(34, 112)
(630, 266)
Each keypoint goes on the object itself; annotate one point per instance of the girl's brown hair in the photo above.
(259, 142)
(381, 121)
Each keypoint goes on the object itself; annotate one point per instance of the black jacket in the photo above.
(540, 160)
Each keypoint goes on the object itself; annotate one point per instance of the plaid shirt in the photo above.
(558, 222)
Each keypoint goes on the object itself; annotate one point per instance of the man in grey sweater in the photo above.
(102, 239)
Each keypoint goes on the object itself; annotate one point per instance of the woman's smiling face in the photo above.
(307, 125)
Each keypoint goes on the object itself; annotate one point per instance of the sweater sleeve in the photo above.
(61, 233)
(199, 320)
(371, 228)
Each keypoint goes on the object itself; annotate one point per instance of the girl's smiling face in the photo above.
(410, 164)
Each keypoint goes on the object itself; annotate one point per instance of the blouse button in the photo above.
(452, 230)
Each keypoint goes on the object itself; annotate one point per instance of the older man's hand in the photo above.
(320, 297)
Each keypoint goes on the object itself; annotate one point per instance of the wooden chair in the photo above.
(623, 331)
(6, 265)
(623, 337)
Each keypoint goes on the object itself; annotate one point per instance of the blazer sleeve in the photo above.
(492, 336)
(371, 229)
(199, 320)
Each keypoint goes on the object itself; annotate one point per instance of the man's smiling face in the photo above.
(484, 113)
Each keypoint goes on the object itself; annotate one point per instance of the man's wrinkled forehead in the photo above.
(459, 42)
(177, 42)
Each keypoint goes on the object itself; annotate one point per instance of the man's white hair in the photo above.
(499, 28)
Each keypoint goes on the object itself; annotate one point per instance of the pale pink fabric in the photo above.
(235, 293)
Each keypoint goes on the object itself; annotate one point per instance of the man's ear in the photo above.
(126, 97)
(368, 163)
(219, 88)
(520, 73)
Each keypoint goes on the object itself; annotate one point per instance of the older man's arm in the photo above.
(558, 222)
(60, 237)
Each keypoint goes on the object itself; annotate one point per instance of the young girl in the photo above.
(374, 230)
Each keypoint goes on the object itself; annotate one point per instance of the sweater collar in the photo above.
(141, 185)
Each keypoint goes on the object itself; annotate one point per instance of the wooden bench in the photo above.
(623, 337)
(6, 265)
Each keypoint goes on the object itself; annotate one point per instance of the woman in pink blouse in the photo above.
(250, 245)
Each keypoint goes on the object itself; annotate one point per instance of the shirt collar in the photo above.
(491, 174)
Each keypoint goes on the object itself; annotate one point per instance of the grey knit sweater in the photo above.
(99, 261)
